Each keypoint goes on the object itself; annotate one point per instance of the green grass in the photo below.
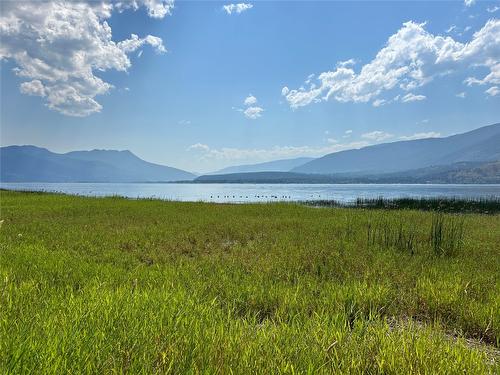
(110, 285)
(489, 205)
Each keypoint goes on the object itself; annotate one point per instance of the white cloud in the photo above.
(412, 98)
(492, 9)
(155, 8)
(420, 136)
(231, 154)
(461, 95)
(469, 3)
(199, 147)
(379, 102)
(451, 28)
(159, 8)
(347, 134)
(377, 136)
(59, 46)
(284, 91)
(134, 43)
(237, 8)
(34, 87)
(492, 78)
(346, 63)
(278, 152)
(493, 91)
(253, 113)
(411, 58)
(250, 100)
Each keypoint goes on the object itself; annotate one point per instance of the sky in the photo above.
(205, 85)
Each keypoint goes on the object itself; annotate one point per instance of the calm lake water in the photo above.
(260, 192)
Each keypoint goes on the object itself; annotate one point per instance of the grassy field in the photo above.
(112, 285)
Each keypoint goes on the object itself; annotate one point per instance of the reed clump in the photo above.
(446, 235)
(399, 235)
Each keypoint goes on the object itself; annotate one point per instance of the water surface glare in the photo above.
(241, 193)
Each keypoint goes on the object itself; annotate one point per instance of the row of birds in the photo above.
(257, 196)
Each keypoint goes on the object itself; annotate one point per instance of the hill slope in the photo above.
(283, 165)
(457, 173)
(482, 144)
(34, 164)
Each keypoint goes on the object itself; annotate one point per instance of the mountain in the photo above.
(35, 164)
(482, 144)
(283, 165)
(457, 173)
(264, 178)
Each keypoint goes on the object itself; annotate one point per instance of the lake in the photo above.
(240, 193)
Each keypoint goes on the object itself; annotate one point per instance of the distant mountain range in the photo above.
(482, 144)
(457, 173)
(472, 157)
(283, 165)
(35, 164)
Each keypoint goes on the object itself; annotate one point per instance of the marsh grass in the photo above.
(399, 235)
(489, 205)
(447, 234)
(110, 285)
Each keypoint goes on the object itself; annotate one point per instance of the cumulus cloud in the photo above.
(411, 58)
(420, 136)
(377, 136)
(134, 43)
(237, 8)
(34, 87)
(250, 100)
(492, 9)
(252, 110)
(61, 46)
(155, 8)
(461, 95)
(469, 3)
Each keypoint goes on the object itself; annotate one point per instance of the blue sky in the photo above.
(180, 98)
